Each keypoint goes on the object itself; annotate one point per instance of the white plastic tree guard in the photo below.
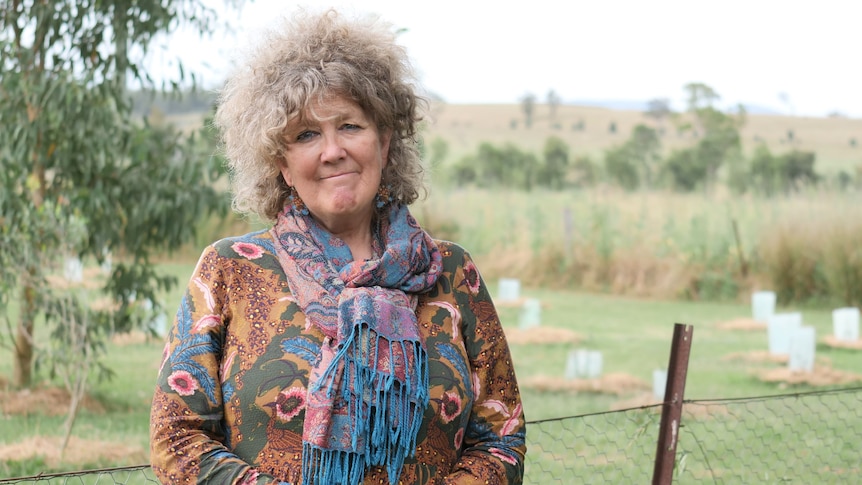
(509, 289)
(802, 347)
(762, 305)
(780, 327)
(531, 314)
(584, 364)
(845, 324)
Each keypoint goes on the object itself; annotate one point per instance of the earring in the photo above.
(384, 196)
(297, 206)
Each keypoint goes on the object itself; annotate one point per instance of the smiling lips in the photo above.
(342, 174)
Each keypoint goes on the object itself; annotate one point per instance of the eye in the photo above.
(305, 135)
(350, 127)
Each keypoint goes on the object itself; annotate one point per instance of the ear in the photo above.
(385, 138)
(285, 170)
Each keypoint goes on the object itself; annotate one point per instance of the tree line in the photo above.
(715, 155)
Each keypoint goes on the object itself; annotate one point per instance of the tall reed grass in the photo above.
(806, 246)
(655, 244)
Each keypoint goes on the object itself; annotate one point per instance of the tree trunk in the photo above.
(22, 375)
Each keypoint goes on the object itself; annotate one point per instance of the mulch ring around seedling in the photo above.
(748, 324)
(541, 335)
(823, 373)
(834, 342)
(756, 357)
(614, 383)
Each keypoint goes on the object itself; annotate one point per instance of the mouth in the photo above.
(337, 175)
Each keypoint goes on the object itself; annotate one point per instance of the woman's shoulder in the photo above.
(255, 248)
(453, 253)
(249, 246)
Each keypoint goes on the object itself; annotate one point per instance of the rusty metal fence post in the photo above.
(671, 411)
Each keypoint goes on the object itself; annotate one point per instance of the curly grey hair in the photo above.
(307, 58)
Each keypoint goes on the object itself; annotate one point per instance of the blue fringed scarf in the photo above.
(369, 388)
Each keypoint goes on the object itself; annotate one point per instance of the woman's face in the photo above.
(335, 159)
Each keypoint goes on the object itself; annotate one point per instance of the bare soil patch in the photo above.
(832, 341)
(822, 375)
(614, 383)
(748, 324)
(79, 451)
(756, 357)
(133, 337)
(50, 401)
(542, 335)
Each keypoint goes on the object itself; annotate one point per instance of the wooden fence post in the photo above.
(671, 411)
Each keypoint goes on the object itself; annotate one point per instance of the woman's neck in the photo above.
(360, 244)
(355, 231)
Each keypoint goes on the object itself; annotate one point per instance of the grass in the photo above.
(629, 245)
(633, 334)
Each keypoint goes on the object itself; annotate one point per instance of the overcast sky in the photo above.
(796, 57)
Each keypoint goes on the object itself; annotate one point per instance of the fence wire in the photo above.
(614, 447)
(804, 438)
(800, 438)
(131, 475)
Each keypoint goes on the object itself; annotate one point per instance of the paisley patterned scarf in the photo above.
(368, 389)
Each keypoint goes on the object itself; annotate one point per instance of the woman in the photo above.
(344, 345)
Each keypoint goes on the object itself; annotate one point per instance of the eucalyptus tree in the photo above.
(80, 177)
(528, 106)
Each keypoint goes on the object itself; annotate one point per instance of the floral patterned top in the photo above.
(229, 403)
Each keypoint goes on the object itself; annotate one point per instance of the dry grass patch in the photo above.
(834, 342)
(78, 451)
(746, 324)
(756, 357)
(822, 375)
(50, 401)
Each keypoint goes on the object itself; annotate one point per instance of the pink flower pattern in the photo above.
(250, 478)
(503, 456)
(450, 407)
(182, 383)
(250, 251)
(471, 277)
(459, 438)
(289, 403)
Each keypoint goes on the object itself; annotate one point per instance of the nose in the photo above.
(332, 149)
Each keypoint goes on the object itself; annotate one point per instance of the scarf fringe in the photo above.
(330, 467)
(394, 406)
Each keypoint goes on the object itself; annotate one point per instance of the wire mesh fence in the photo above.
(132, 475)
(614, 447)
(811, 437)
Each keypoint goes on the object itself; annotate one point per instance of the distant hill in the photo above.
(585, 126)
(641, 105)
(615, 104)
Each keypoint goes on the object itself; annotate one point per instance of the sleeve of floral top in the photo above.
(494, 443)
(186, 431)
